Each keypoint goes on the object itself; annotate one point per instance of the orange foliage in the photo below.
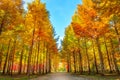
(89, 24)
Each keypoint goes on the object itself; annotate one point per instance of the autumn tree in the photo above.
(29, 34)
(95, 30)
(10, 11)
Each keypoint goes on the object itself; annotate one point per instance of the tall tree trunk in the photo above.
(30, 53)
(77, 61)
(80, 63)
(95, 60)
(44, 57)
(74, 61)
(43, 61)
(6, 59)
(25, 65)
(108, 57)
(13, 55)
(1, 56)
(68, 62)
(49, 63)
(80, 58)
(46, 71)
(9, 65)
(100, 55)
(117, 33)
(34, 62)
(40, 64)
(2, 23)
(86, 51)
(38, 53)
(113, 56)
(21, 60)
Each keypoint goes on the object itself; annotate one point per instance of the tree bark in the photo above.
(34, 62)
(21, 60)
(100, 55)
(113, 56)
(40, 64)
(108, 57)
(68, 63)
(46, 58)
(6, 59)
(80, 59)
(30, 53)
(1, 56)
(95, 60)
(2, 24)
(117, 33)
(86, 51)
(13, 55)
(49, 63)
(74, 61)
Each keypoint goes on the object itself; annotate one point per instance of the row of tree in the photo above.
(27, 38)
(92, 42)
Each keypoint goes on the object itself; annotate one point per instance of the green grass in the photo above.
(97, 77)
(100, 77)
(17, 77)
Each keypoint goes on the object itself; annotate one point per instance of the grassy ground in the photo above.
(17, 77)
(90, 77)
(100, 77)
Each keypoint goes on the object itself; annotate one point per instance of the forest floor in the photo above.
(61, 76)
(99, 76)
(69, 76)
(17, 77)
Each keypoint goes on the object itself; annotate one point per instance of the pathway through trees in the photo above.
(60, 76)
(29, 45)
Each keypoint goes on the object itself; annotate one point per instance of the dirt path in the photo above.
(60, 76)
